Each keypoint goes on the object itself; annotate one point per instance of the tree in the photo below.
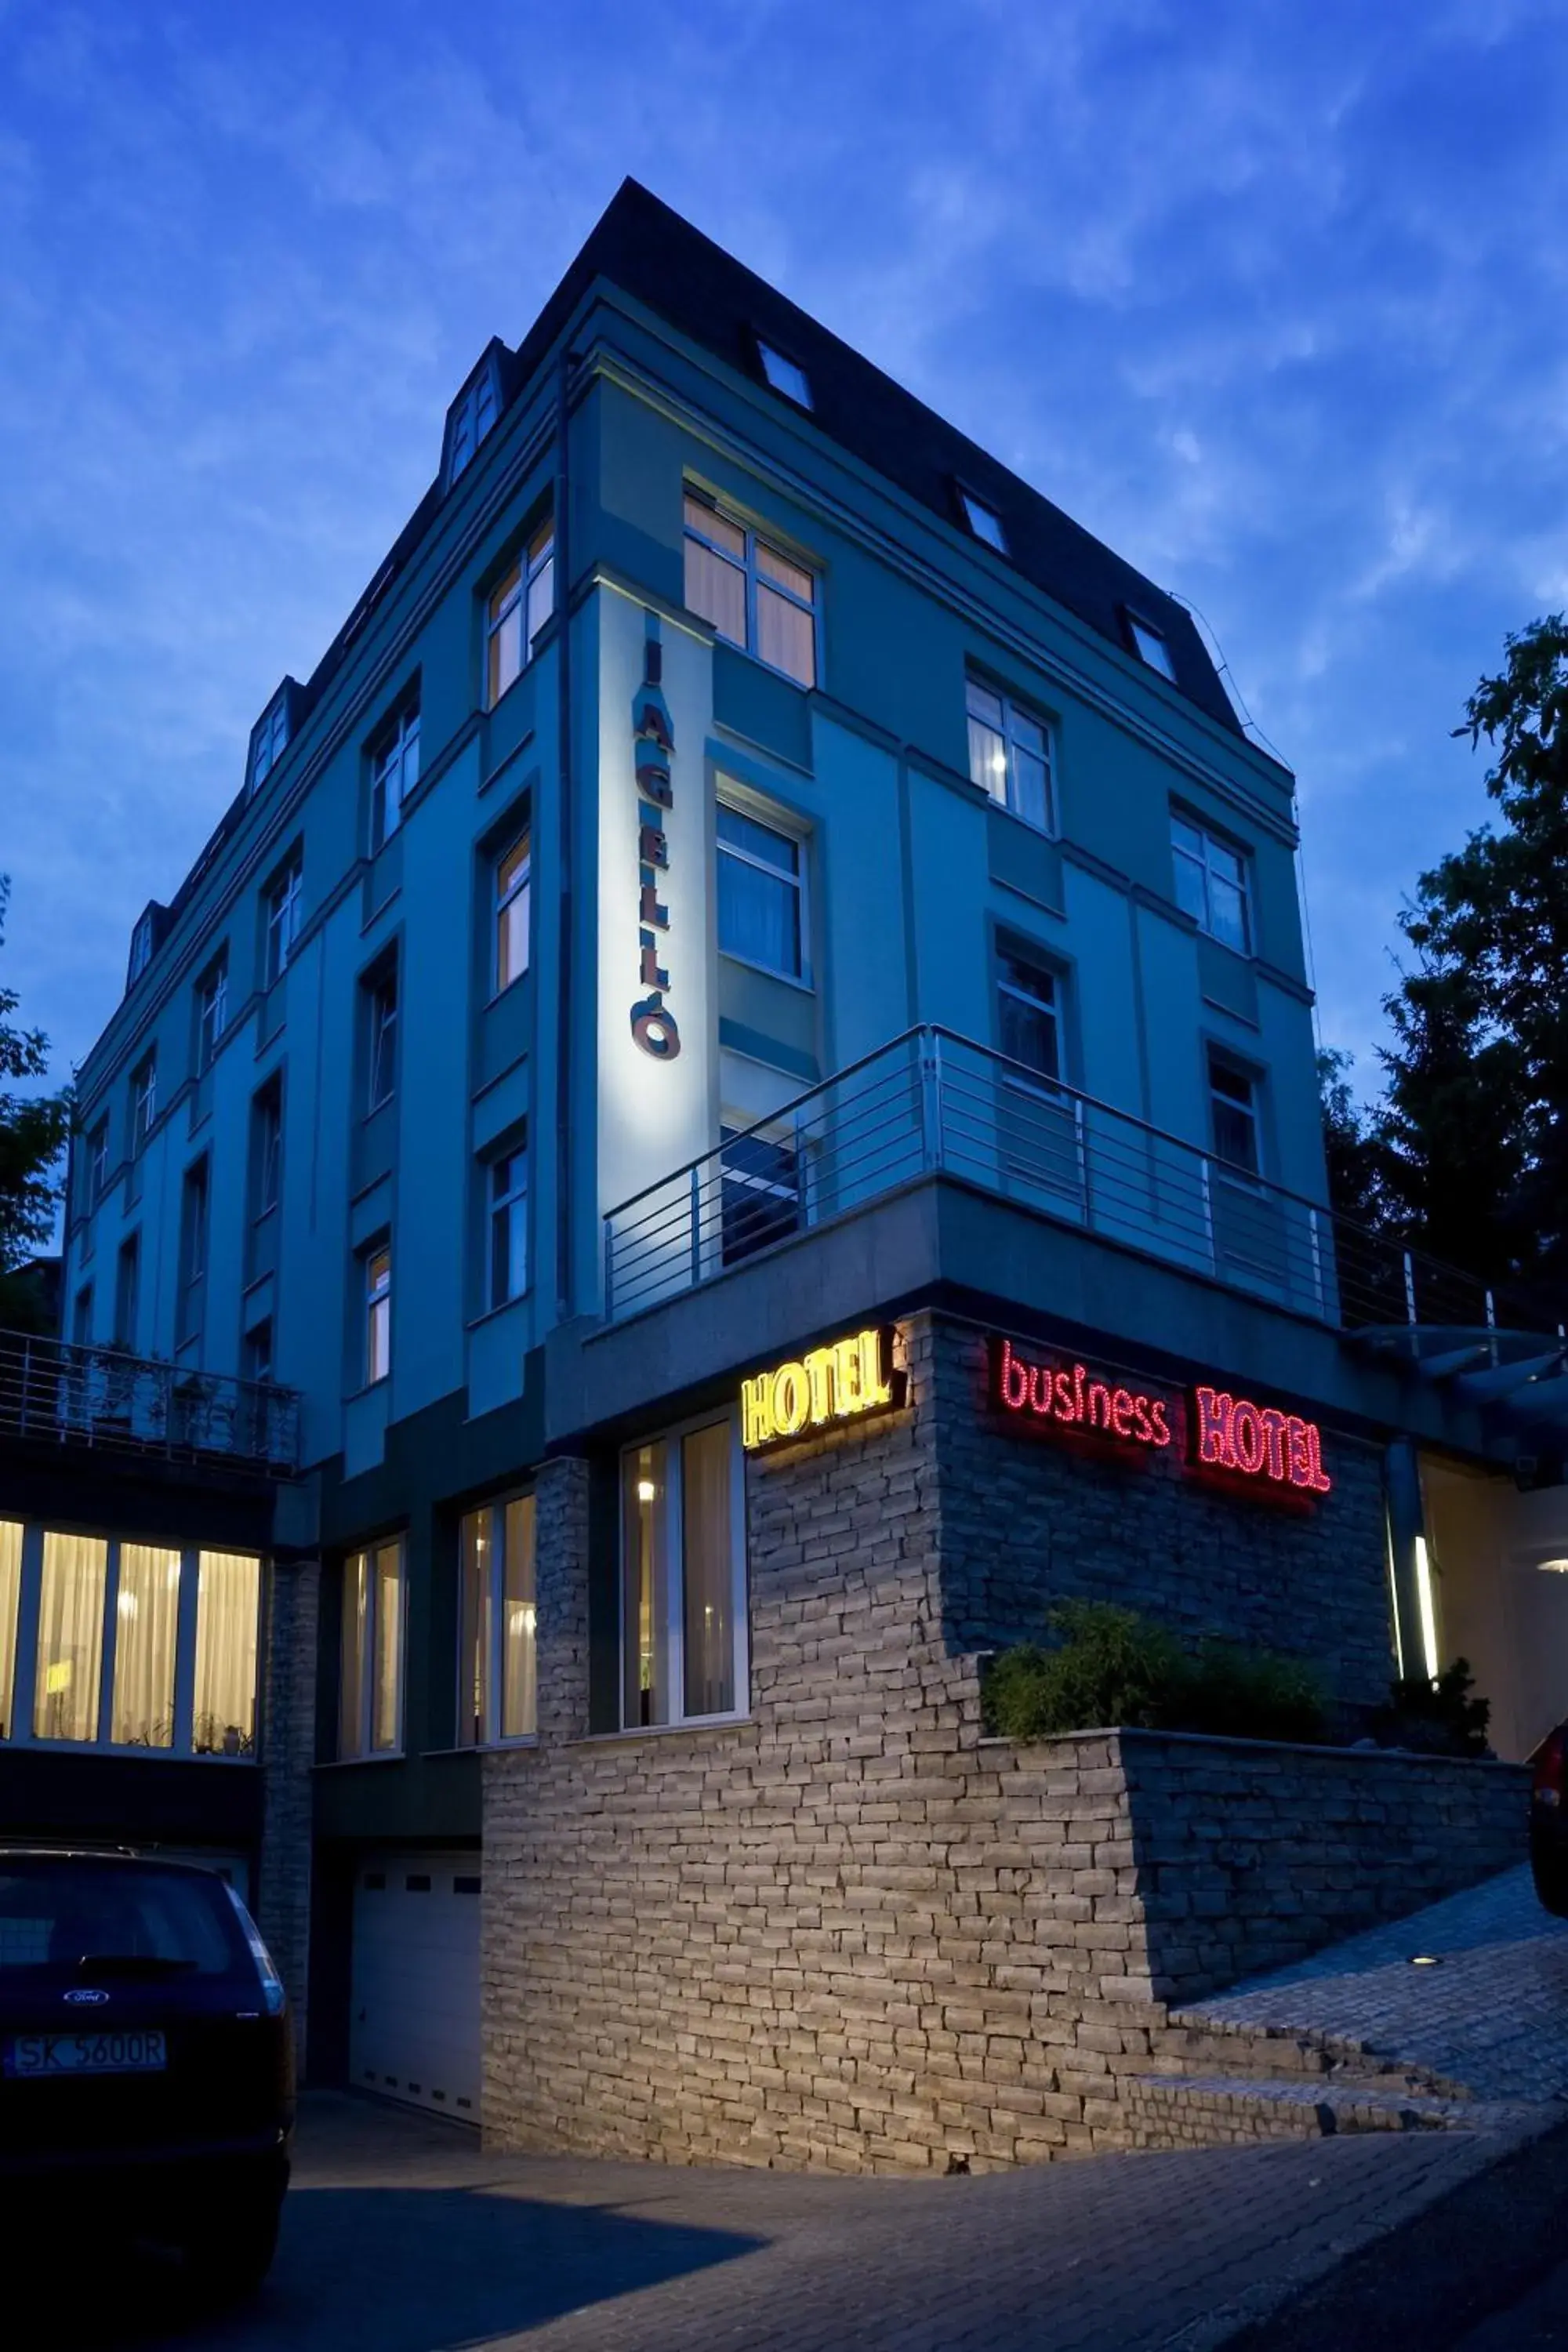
(33, 1130)
(1352, 1143)
(1475, 1122)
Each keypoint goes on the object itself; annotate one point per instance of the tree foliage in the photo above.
(33, 1130)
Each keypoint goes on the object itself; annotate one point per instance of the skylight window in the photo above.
(784, 375)
(269, 739)
(982, 521)
(1149, 643)
(473, 413)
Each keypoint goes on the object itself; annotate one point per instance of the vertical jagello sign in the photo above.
(653, 1024)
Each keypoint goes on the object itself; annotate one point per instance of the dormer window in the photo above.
(269, 740)
(1149, 643)
(141, 948)
(785, 375)
(982, 521)
(473, 412)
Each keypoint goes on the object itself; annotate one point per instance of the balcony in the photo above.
(935, 1104)
(52, 1394)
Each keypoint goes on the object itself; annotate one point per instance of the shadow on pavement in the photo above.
(403, 2270)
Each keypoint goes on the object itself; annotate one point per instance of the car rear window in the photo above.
(56, 1915)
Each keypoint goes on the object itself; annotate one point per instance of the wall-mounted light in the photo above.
(646, 1490)
(1429, 1612)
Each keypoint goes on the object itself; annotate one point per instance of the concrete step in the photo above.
(1209, 2046)
(1209, 2111)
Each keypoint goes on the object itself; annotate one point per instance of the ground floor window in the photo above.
(683, 1578)
(498, 1688)
(106, 1642)
(370, 1691)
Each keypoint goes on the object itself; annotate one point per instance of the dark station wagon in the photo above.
(146, 2060)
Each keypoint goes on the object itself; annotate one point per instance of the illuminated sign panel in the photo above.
(831, 1385)
(1227, 1435)
(653, 1024)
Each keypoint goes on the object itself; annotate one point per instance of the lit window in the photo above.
(10, 1615)
(394, 772)
(507, 1186)
(683, 1578)
(378, 1315)
(69, 1661)
(1027, 1015)
(1149, 643)
(753, 596)
(228, 1609)
(1010, 756)
(982, 521)
(212, 1013)
(1211, 884)
(513, 908)
(143, 1101)
(518, 608)
(370, 1694)
(284, 905)
(269, 742)
(497, 1679)
(761, 889)
(783, 374)
(1233, 1111)
(473, 413)
(382, 1012)
(146, 1633)
(759, 1198)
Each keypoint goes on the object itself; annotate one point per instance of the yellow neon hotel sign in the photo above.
(841, 1382)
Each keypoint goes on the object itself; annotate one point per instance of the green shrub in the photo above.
(1111, 1665)
(1436, 1719)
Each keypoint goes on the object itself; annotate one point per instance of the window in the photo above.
(761, 891)
(381, 1010)
(378, 1315)
(783, 374)
(267, 1147)
(143, 1101)
(141, 948)
(269, 742)
(1010, 756)
(117, 1656)
(283, 903)
(759, 1191)
(518, 608)
(1027, 1015)
(1233, 1113)
(473, 413)
(193, 1205)
(127, 1282)
(81, 1317)
(754, 597)
(506, 1180)
(1149, 643)
(982, 521)
(1211, 884)
(257, 1353)
(514, 911)
(370, 1694)
(212, 1012)
(683, 1578)
(498, 1680)
(393, 773)
(98, 1164)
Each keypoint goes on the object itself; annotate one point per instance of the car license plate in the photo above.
(136, 2050)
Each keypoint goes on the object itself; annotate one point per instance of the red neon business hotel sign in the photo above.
(1226, 1433)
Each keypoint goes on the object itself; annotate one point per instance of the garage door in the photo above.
(413, 2023)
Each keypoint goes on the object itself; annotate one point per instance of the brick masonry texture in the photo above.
(288, 1747)
(849, 1932)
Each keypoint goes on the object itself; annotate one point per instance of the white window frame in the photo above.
(984, 523)
(140, 948)
(269, 1102)
(1012, 715)
(502, 898)
(98, 1163)
(1047, 1083)
(1232, 1172)
(475, 414)
(143, 1101)
(772, 821)
(1152, 645)
(269, 740)
(376, 1335)
(1202, 864)
(364, 1749)
(196, 1189)
(493, 1634)
(285, 896)
(513, 1202)
(528, 584)
(212, 1013)
(784, 375)
(393, 773)
(753, 541)
(675, 1631)
(381, 1037)
(25, 1651)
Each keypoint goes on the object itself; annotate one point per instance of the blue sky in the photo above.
(1270, 296)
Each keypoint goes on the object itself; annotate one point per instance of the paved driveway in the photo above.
(400, 2236)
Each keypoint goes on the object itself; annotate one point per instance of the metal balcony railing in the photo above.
(935, 1103)
(55, 1394)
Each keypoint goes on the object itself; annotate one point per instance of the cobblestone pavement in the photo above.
(1492, 2014)
(400, 2235)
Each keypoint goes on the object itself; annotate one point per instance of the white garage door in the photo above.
(413, 2023)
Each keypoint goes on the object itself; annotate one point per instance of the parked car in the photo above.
(1549, 1821)
(146, 2060)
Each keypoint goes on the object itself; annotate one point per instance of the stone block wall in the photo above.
(288, 1753)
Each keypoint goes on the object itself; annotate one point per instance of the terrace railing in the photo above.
(55, 1394)
(934, 1103)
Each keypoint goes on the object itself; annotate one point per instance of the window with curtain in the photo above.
(496, 1674)
(1010, 755)
(513, 889)
(761, 888)
(66, 1676)
(393, 773)
(10, 1612)
(377, 1265)
(683, 1604)
(370, 1685)
(228, 1612)
(753, 596)
(516, 609)
(1212, 883)
(146, 1634)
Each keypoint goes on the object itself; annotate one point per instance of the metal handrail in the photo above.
(60, 1392)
